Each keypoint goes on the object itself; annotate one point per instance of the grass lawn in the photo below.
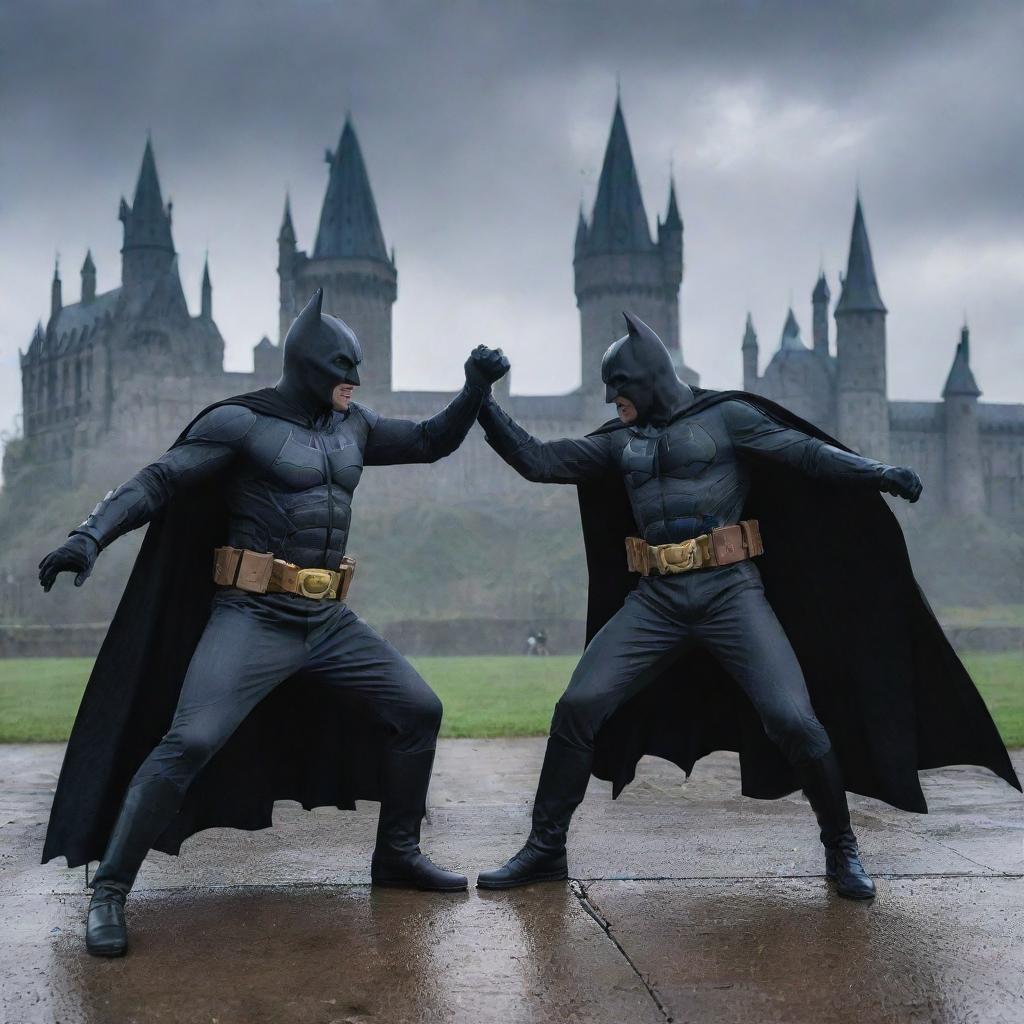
(495, 696)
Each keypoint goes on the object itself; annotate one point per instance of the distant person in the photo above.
(185, 723)
(541, 648)
(813, 653)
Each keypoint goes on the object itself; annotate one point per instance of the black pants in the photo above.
(252, 644)
(722, 609)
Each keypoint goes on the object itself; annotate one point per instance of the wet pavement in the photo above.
(689, 903)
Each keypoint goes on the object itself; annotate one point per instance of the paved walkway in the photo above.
(690, 904)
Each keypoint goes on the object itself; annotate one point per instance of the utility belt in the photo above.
(722, 546)
(258, 573)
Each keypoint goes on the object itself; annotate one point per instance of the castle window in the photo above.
(78, 381)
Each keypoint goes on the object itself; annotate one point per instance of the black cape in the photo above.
(883, 679)
(301, 743)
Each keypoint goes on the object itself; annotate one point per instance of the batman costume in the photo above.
(819, 661)
(207, 704)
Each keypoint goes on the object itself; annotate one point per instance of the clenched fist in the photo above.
(77, 554)
(484, 366)
(901, 481)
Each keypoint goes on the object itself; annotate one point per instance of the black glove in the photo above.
(901, 481)
(77, 554)
(484, 366)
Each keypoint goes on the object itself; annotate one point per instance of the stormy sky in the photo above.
(483, 126)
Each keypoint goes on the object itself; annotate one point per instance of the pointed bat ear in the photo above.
(638, 329)
(310, 313)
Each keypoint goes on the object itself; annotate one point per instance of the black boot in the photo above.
(397, 861)
(822, 781)
(562, 786)
(147, 810)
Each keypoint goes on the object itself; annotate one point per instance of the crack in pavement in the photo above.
(591, 908)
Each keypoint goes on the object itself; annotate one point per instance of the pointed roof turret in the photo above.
(349, 225)
(148, 250)
(749, 334)
(206, 292)
(961, 379)
(860, 288)
(287, 232)
(821, 291)
(88, 278)
(673, 221)
(619, 222)
(56, 301)
(791, 340)
(581, 233)
(35, 346)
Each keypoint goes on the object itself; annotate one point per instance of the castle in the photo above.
(111, 379)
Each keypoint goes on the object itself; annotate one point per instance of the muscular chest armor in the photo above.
(683, 480)
(293, 487)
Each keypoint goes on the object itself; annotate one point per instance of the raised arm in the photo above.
(545, 462)
(756, 434)
(393, 442)
(209, 446)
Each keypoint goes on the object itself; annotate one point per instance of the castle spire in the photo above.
(791, 340)
(349, 225)
(206, 302)
(56, 302)
(860, 287)
(581, 233)
(749, 349)
(287, 232)
(88, 279)
(961, 379)
(749, 334)
(619, 222)
(820, 298)
(673, 222)
(148, 250)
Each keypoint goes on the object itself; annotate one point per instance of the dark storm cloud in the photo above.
(483, 125)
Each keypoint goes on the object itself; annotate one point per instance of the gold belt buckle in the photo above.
(688, 557)
(315, 583)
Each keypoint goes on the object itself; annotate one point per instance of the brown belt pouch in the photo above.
(347, 570)
(246, 570)
(735, 543)
(636, 555)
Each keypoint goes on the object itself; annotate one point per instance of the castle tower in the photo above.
(618, 267)
(965, 488)
(88, 279)
(206, 291)
(286, 259)
(148, 251)
(819, 304)
(349, 261)
(862, 408)
(750, 352)
(56, 301)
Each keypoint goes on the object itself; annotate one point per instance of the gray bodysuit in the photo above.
(682, 480)
(289, 491)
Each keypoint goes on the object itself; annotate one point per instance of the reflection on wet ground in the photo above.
(692, 904)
